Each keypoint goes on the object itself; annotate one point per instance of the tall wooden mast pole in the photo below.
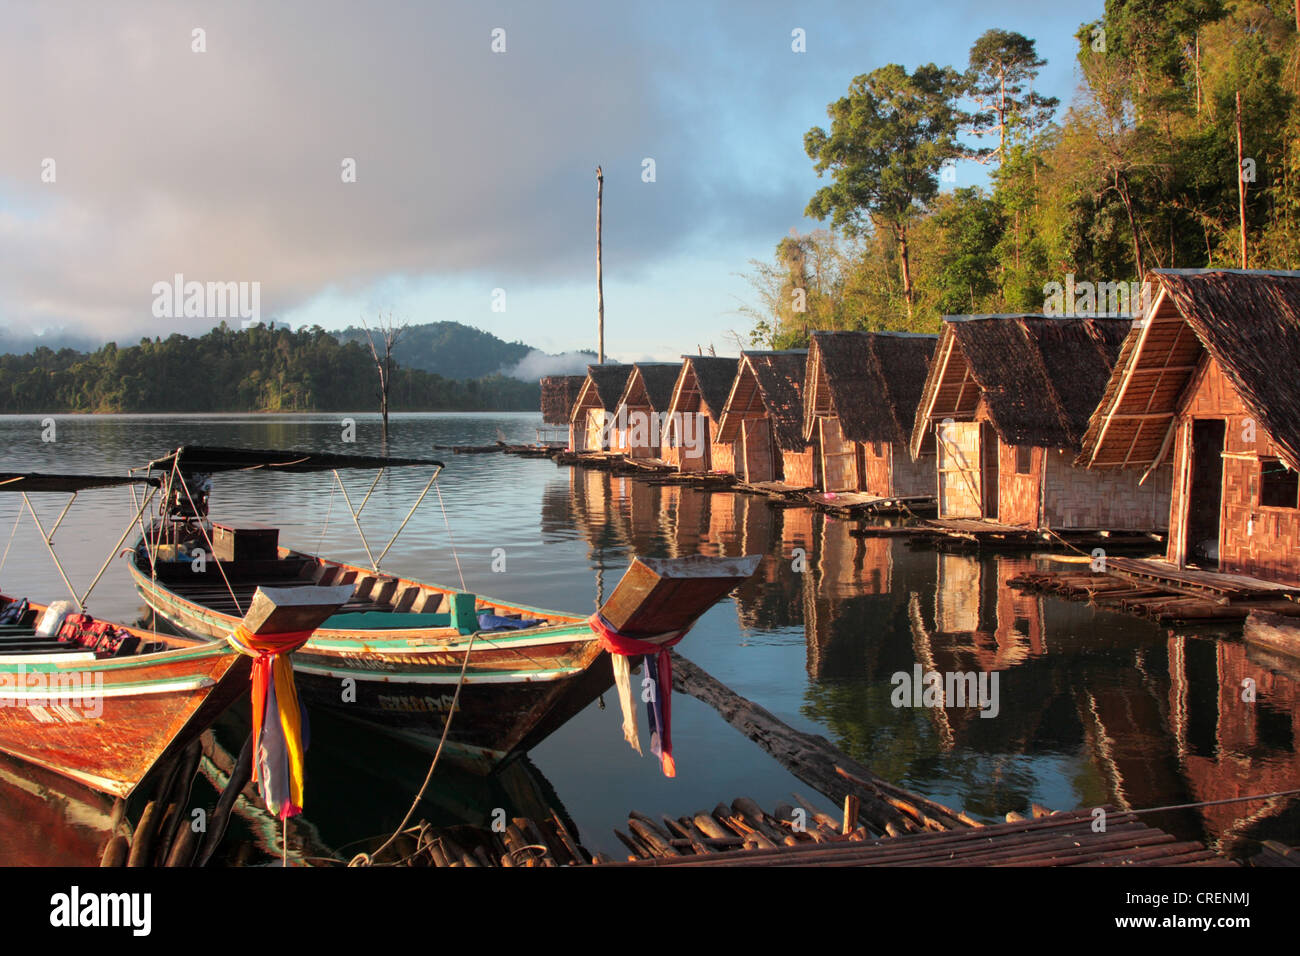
(600, 287)
(1241, 186)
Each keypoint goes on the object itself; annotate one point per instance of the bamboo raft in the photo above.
(742, 834)
(1178, 598)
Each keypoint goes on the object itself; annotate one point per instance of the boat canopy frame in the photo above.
(39, 483)
(204, 459)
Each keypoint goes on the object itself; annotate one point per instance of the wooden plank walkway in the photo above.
(1062, 839)
(1158, 591)
(742, 834)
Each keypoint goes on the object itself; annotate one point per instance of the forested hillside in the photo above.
(258, 369)
(1139, 171)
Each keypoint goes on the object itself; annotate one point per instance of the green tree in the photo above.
(1000, 79)
(888, 140)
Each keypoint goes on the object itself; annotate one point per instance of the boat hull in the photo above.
(106, 723)
(518, 687)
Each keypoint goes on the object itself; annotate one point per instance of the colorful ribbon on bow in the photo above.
(278, 717)
(658, 670)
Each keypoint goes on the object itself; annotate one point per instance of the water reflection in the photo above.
(1094, 708)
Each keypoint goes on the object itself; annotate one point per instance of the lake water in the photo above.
(1093, 707)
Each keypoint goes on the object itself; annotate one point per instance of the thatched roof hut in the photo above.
(703, 384)
(1206, 388)
(650, 385)
(559, 393)
(871, 381)
(1038, 377)
(1246, 321)
(768, 385)
(605, 383)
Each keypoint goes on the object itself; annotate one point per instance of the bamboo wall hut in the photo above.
(642, 408)
(763, 419)
(596, 401)
(1008, 400)
(860, 397)
(559, 392)
(699, 395)
(1209, 385)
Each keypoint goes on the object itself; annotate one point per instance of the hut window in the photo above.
(876, 450)
(1279, 486)
(1024, 459)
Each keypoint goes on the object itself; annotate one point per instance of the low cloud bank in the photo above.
(537, 364)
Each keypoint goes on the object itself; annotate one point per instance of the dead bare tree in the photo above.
(388, 334)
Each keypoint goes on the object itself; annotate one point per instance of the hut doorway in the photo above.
(959, 469)
(594, 436)
(756, 450)
(839, 458)
(989, 466)
(1205, 493)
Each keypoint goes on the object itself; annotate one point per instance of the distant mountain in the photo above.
(456, 351)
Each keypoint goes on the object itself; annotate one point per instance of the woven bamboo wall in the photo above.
(724, 457)
(1111, 499)
(797, 468)
(909, 477)
(1252, 539)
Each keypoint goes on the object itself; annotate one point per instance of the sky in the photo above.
(474, 192)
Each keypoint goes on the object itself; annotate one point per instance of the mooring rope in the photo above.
(367, 859)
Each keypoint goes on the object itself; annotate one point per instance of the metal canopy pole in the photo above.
(356, 516)
(49, 544)
(113, 552)
(393, 539)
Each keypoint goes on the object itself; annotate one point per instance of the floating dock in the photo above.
(1164, 593)
(743, 835)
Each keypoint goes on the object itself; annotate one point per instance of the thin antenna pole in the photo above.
(1241, 186)
(600, 286)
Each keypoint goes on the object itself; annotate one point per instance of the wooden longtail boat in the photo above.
(393, 657)
(104, 713)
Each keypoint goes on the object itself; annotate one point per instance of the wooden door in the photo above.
(839, 458)
(959, 470)
(595, 430)
(756, 457)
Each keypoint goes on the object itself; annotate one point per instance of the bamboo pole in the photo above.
(600, 286)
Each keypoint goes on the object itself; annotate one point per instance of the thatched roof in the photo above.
(651, 383)
(559, 392)
(710, 377)
(870, 381)
(606, 383)
(768, 384)
(1039, 378)
(1248, 321)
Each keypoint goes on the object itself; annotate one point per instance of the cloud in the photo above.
(472, 167)
(537, 364)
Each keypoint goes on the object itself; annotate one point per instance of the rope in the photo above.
(367, 859)
(325, 527)
(450, 539)
(1212, 803)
